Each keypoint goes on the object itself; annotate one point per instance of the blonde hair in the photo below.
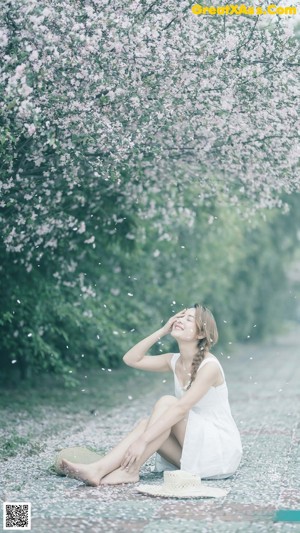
(205, 325)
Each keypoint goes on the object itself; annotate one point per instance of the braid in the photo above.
(207, 327)
(203, 347)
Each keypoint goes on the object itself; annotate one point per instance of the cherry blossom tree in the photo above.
(111, 110)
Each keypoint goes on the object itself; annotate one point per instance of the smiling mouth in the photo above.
(178, 327)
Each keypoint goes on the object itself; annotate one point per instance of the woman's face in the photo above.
(184, 328)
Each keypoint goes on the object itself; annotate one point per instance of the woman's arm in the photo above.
(138, 352)
(136, 449)
(205, 378)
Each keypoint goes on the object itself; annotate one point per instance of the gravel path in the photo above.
(263, 382)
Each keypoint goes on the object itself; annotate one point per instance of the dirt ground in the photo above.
(263, 382)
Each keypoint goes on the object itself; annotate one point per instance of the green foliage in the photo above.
(235, 267)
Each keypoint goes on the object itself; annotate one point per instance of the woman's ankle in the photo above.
(100, 467)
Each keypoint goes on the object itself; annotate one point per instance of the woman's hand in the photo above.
(167, 328)
(133, 453)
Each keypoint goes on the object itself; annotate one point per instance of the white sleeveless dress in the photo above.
(212, 444)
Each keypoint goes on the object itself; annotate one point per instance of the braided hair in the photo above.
(205, 325)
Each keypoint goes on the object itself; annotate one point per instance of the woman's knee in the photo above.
(166, 400)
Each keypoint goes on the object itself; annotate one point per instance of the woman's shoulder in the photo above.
(210, 357)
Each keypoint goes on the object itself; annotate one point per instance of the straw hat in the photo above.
(76, 454)
(181, 484)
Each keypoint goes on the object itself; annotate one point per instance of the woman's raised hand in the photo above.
(167, 328)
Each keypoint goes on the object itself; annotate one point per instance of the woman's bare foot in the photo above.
(87, 473)
(120, 476)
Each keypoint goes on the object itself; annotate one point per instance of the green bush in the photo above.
(236, 268)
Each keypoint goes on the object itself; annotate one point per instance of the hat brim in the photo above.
(207, 492)
(75, 454)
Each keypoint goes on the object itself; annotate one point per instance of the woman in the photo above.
(193, 430)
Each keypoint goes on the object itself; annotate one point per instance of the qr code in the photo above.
(16, 515)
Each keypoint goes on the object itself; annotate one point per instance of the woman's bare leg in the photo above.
(92, 473)
(166, 444)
